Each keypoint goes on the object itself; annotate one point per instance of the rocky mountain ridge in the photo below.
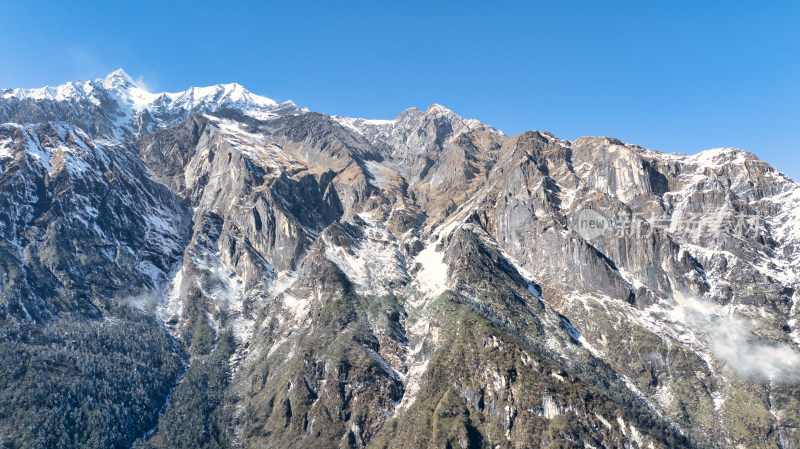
(425, 281)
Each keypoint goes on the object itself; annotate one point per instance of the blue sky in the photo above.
(672, 76)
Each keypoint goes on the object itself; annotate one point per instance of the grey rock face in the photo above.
(82, 222)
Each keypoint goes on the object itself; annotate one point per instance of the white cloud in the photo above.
(733, 339)
(139, 80)
(144, 300)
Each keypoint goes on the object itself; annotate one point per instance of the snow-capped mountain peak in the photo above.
(90, 105)
(116, 79)
(233, 94)
(437, 109)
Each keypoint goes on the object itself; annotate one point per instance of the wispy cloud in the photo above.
(734, 340)
(140, 81)
(145, 300)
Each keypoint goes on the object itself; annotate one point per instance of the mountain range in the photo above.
(211, 268)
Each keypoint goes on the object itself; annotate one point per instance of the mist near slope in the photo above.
(733, 339)
(144, 300)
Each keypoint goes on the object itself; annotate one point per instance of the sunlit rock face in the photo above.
(425, 281)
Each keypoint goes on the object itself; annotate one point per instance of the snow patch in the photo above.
(630, 431)
(374, 262)
(416, 362)
(603, 420)
(549, 407)
(432, 276)
(298, 307)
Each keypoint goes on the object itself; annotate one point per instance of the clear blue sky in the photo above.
(672, 76)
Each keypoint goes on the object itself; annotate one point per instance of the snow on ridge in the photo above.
(257, 147)
(405, 119)
(5, 147)
(359, 125)
(719, 157)
(75, 152)
(134, 98)
(138, 98)
(232, 93)
(438, 110)
(711, 158)
(63, 92)
(787, 223)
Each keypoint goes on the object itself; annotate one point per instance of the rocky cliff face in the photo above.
(425, 281)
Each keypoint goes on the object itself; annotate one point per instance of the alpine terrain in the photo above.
(212, 269)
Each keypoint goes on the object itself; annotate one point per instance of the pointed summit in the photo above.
(410, 112)
(117, 78)
(437, 109)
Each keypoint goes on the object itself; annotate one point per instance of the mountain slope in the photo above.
(425, 281)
